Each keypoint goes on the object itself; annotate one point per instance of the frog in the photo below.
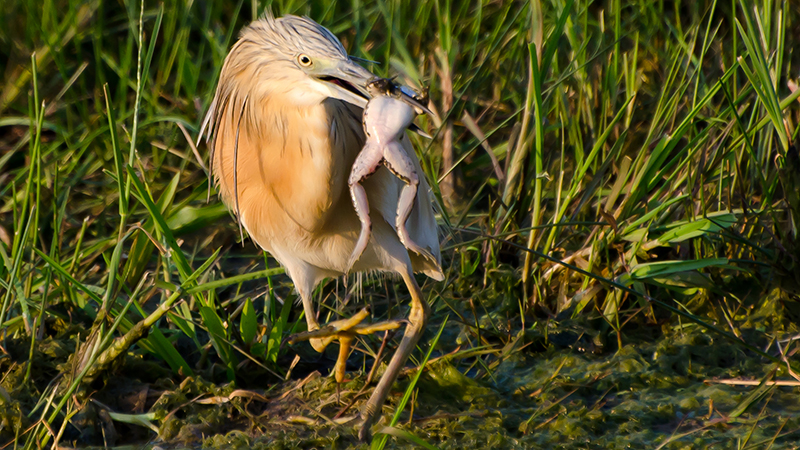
(390, 111)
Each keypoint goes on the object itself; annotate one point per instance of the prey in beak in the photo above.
(349, 82)
(387, 87)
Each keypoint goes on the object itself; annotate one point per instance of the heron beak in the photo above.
(407, 97)
(347, 81)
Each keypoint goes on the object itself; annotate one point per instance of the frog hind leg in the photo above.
(366, 163)
(396, 160)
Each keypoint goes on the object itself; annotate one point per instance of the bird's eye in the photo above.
(304, 60)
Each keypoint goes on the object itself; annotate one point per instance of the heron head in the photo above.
(296, 56)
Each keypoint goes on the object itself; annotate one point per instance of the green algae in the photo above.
(553, 387)
(647, 394)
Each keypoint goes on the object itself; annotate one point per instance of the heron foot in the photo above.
(345, 332)
(364, 429)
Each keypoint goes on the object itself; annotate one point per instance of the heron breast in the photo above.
(287, 166)
(305, 176)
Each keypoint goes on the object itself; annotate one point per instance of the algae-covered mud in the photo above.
(557, 384)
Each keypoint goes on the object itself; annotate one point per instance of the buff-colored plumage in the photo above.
(283, 138)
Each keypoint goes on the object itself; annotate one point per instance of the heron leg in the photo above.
(321, 337)
(417, 319)
(308, 307)
(345, 344)
(346, 339)
(396, 160)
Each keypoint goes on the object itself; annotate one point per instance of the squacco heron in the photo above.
(284, 129)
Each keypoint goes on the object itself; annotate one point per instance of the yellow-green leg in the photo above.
(417, 319)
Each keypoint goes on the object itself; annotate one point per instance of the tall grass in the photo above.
(626, 161)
